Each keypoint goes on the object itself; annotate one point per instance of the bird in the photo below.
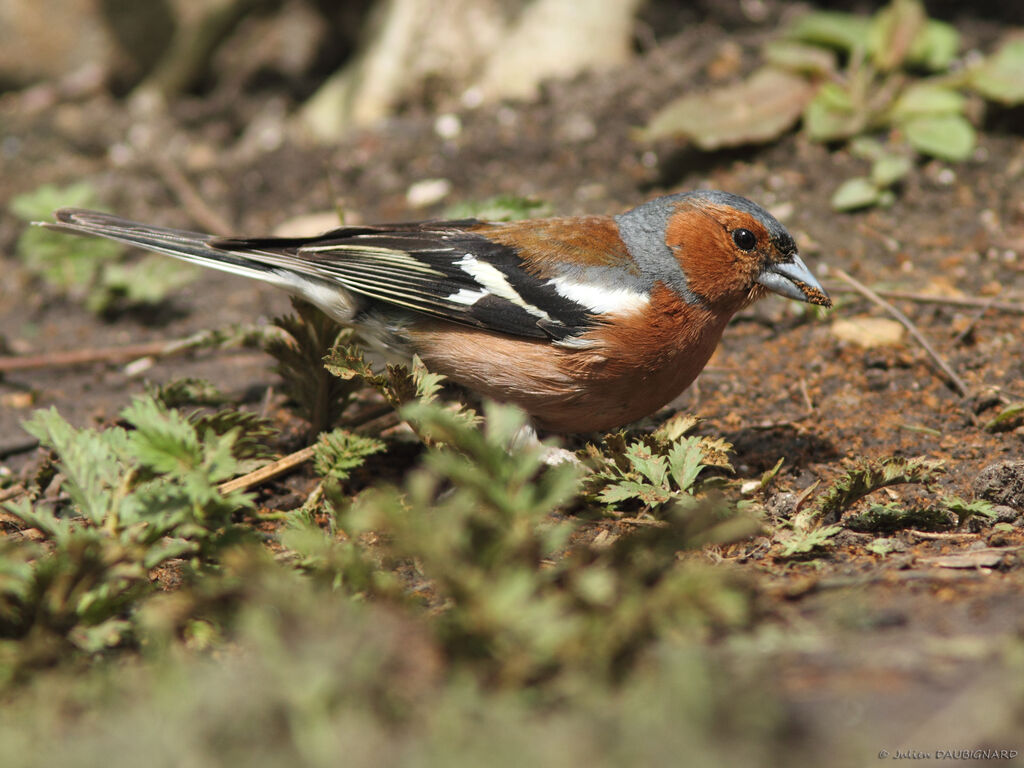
(587, 323)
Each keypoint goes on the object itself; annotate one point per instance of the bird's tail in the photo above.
(194, 247)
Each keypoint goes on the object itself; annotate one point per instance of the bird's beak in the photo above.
(794, 280)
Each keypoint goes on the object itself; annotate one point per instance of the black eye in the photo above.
(744, 239)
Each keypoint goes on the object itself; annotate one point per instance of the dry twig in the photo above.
(969, 302)
(268, 472)
(905, 321)
(197, 208)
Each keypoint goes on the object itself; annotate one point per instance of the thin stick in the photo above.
(807, 395)
(71, 357)
(941, 364)
(943, 536)
(19, 445)
(65, 358)
(197, 208)
(951, 301)
(11, 493)
(268, 472)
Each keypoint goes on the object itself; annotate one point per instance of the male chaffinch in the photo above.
(587, 323)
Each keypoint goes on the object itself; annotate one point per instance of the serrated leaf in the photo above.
(675, 427)
(92, 462)
(163, 439)
(652, 467)
(867, 476)
(1001, 76)
(187, 391)
(883, 546)
(685, 460)
(806, 542)
(338, 452)
(754, 111)
(853, 194)
(947, 137)
(630, 489)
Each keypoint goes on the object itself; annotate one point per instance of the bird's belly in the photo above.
(563, 390)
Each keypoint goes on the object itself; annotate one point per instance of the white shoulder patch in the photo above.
(600, 299)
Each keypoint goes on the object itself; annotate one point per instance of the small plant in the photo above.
(901, 78)
(655, 469)
(803, 543)
(863, 478)
(136, 499)
(309, 337)
(889, 518)
(90, 269)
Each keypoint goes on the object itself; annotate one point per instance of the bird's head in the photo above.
(718, 249)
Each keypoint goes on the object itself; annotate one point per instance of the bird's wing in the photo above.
(546, 279)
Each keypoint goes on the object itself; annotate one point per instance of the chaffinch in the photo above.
(587, 323)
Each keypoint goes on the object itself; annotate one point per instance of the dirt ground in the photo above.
(884, 650)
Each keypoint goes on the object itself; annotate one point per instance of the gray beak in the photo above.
(794, 280)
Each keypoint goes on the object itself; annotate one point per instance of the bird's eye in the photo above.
(744, 239)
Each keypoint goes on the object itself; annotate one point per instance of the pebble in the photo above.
(427, 192)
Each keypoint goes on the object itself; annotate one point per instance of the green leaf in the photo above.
(935, 46)
(337, 453)
(893, 32)
(148, 281)
(806, 542)
(947, 137)
(92, 462)
(927, 99)
(163, 439)
(832, 115)
(853, 194)
(1001, 76)
(832, 29)
(685, 459)
(965, 510)
(1008, 418)
(883, 546)
(67, 263)
(889, 169)
(867, 476)
(40, 203)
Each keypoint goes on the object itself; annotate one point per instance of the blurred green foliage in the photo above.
(91, 270)
(895, 74)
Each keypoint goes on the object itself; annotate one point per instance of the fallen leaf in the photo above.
(753, 111)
